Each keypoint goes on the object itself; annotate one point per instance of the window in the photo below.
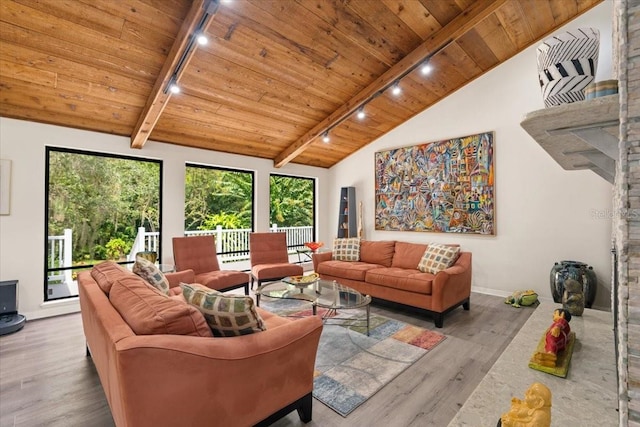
(292, 208)
(219, 201)
(98, 207)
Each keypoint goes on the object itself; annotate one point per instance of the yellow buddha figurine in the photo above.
(534, 411)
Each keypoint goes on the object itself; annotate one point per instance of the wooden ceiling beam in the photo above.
(198, 18)
(474, 14)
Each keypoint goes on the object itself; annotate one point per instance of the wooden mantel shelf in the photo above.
(580, 135)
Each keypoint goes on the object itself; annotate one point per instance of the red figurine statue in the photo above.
(556, 338)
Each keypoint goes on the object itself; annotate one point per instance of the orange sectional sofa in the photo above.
(173, 372)
(388, 270)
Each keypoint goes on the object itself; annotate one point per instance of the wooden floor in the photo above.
(46, 380)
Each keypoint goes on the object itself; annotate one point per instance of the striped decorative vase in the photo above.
(567, 63)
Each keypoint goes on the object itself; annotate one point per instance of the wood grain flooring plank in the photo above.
(46, 379)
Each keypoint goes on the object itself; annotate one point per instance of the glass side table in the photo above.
(326, 294)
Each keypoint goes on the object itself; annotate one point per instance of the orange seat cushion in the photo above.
(271, 271)
(222, 279)
(400, 278)
(377, 252)
(408, 255)
(346, 269)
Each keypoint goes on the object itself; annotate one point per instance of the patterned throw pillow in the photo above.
(438, 257)
(346, 249)
(152, 274)
(227, 315)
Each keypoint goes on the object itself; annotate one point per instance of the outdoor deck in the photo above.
(231, 245)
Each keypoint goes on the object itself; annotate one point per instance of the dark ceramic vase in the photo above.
(576, 270)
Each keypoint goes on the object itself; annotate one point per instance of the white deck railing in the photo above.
(232, 245)
(146, 241)
(59, 255)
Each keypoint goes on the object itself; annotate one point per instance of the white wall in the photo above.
(544, 213)
(22, 232)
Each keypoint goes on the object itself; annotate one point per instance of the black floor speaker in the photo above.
(10, 320)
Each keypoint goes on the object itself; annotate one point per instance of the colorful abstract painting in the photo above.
(443, 186)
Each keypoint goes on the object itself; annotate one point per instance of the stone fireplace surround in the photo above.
(626, 205)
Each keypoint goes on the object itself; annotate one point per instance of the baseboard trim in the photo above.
(489, 291)
(504, 294)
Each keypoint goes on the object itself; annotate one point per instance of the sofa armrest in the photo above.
(184, 276)
(321, 257)
(452, 285)
(214, 379)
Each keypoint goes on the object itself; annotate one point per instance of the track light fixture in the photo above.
(425, 69)
(202, 39)
(198, 37)
(396, 89)
(172, 86)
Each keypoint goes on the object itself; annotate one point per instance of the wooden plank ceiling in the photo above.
(274, 77)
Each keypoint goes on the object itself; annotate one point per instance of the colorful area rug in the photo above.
(351, 366)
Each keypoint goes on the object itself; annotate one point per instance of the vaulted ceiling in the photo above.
(274, 77)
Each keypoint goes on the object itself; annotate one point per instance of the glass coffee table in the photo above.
(320, 293)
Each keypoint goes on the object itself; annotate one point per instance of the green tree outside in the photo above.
(217, 197)
(103, 200)
(292, 201)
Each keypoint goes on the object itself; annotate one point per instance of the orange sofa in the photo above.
(388, 270)
(177, 373)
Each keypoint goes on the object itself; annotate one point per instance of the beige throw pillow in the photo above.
(227, 315)
(438, 257)
(346, 249)
(151, 274)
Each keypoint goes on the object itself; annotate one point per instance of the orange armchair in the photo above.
(270, 258)
(198, 253)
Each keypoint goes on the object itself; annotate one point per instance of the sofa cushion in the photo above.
(346, 249)
(346, 269)
(380, 252)
(149, 312)
(151, 274)
(438, 257)
(222, 279)
(269, 271)
(107, 273)
(408, 255)
(227, 315)
(401, 278)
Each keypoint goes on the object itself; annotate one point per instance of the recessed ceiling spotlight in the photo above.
(361, 114)
(426, 69)
(325, 137)
(202, 40)
(174, 88)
